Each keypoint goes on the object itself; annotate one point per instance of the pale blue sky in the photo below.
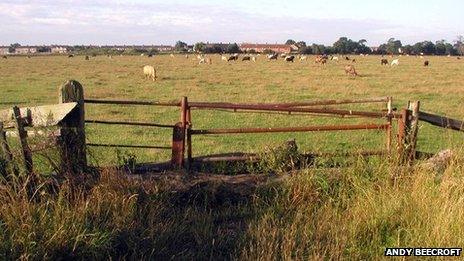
(164, 22)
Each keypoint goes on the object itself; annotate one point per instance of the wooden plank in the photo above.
(38, 116)
(25, 150)
(441, 121)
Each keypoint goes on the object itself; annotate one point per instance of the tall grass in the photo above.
(352, 212)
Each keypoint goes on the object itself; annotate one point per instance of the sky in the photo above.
(101, 22)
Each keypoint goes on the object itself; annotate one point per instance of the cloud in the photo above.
(116, 22)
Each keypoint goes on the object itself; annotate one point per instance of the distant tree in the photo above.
(213, 49)
(418, 48)
(450, 50)
(301, 44)
(318, 49)
(344, 46)
(290, 42)
(233, 48)
(180, 46)
(199, 47)
(408, 49)
(44, 49)
(306, 50)
(459, 45)
(440, 47)
(393, 46)
(428, 47)
(12, 47)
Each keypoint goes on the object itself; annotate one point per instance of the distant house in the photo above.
(163, 48)
(4, 50)
(58, 49)
(25, 50)
(277, 48)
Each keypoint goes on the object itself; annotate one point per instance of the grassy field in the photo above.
(352, 212)
(439, 88)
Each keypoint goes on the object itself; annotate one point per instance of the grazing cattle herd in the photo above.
(150, 71)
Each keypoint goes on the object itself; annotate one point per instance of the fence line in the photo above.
(69, 117)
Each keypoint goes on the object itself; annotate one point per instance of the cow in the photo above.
(253, 58)
(150, 55)
(383, 62)
(349, 69)
(172, 55)
(205, 60)
(272, 56)
(224, 58)
(334, 58)
(426, 63)
(283, 55)
(149, 72)
(303, 58)
(459, 58)
(321, 59)
(233, 57)
(71, 56)
(353, 61)
(290, 58)
(347, 58)
(246, 58)
(395, 62)
(87, 58)
(5, 57)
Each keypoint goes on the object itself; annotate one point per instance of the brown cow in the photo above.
(426, 63)
(384, 62)
(349, 69)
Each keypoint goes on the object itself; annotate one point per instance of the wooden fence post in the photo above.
(178, 139)
(414, 131)
(189, 140)
(7, 152)
(389, 129)
(403, 130)
(72, 139)
(25, 150)
(178, 136)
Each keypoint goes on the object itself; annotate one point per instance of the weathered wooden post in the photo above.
(389, 129)
(22, 134)
(189, 139)
(7, 152)
(414, 131)
(178, 137)
(72, 132)
(403, 130)
(407, 133)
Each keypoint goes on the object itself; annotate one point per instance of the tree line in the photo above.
(344, 45)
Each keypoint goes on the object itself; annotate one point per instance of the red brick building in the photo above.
(277, 48)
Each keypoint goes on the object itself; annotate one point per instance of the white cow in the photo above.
(335, 58)
(253, 58)
(224, 58)
(149, 72)
(395, 62)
